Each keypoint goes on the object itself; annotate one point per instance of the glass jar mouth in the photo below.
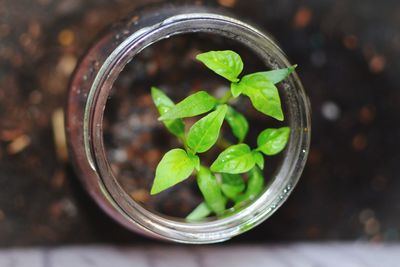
(212, 22)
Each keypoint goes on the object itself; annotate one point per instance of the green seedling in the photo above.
(236, 174)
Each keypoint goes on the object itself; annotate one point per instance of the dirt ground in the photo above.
(348, 55)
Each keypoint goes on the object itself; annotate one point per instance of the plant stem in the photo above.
(225, 99)
(223, 143)
(182, 139)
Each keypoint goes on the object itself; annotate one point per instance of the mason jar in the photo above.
(90, 89)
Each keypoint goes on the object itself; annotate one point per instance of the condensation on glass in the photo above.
(91, 85)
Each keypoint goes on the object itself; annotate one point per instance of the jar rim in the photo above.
(285, 178)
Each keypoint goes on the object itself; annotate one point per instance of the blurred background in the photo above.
(349, 55)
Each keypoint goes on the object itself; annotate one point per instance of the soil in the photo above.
(348, 56)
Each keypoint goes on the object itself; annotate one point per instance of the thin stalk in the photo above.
(223, 143)
(225, 99)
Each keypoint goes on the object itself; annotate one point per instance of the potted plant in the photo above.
(236, 174)
(228, 166)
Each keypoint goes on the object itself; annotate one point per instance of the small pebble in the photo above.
(66, 37)
(359, 142)
(330, 110)
(302, 17)
(69, 207)
(227, 3)
(58, 179)
(119, 155)
(377, 64)
(350, 41)
(66, 64)
(140, 195)
(60, 141)
(18, 145)
(367, 115)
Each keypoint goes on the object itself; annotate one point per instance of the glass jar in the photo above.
(90, 88)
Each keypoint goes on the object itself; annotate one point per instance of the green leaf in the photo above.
(226, 63)
(163, 103)
(272, 141)
(263, 94)
(236, 89)
(195, 160)
(193, 105)
(234, 159)
(173, 168)
(274, 76)
(200, 212)
(255, 186)
(232, 185)
(238, 123)
(278, 75)
(258, 158)
(204, 133)
(211, 191)
(161, 100)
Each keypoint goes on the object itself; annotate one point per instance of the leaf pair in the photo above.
(240, 158)
(255, 185)
(204, 133)
(259, 87)
(262, 92)
(215, 195)
(234, 188)
(177, 164)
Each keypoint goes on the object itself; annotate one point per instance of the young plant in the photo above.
(225, 180)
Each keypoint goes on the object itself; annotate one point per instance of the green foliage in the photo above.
(255, 185)
(234, 159)
(200, 212)
(211, 191)
(272, 141)
(276, 76)
(226, 63)
(238, 123)
(263, 94)
(232, 185)
(164, 104)
(193, 105)
(204, 133)
(224, 180)
(173, 168)
(259, 159)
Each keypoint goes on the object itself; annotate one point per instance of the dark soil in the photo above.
(348, 55)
